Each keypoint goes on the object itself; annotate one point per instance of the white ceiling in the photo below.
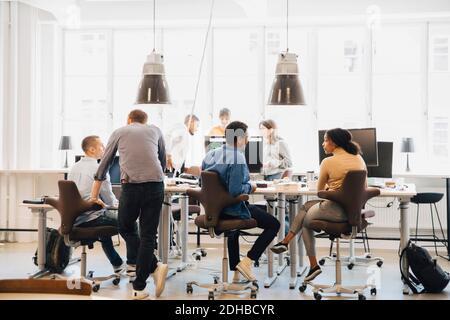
(88, 11)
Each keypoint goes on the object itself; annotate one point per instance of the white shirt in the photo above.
(82, 173)
(184, 147)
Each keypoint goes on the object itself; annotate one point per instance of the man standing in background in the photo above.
(142, 163)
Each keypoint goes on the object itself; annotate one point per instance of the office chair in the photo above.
(214, 197)
(70, 205)
(352, 197)
(351, 260)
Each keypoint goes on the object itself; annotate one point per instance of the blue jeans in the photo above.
(143, 201)
(108, 219)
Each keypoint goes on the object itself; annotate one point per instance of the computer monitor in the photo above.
(213, 142)
(384, 168)
(114, 171)
(367, 140)
(254, 154)
(253, 150)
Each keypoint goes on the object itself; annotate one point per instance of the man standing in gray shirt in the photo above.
(142, 162)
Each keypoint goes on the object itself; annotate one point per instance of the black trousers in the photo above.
(143, 201)
(267, 222)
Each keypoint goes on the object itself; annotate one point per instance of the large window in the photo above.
(392, 79)
(85, 92)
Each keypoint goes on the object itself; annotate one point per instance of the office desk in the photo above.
(295, 196)
(42, 210)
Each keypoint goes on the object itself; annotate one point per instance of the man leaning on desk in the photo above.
(142, 163)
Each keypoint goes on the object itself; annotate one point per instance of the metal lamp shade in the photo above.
(407, 145)
(286, 90)
(65, 143)
(286, 87)
(153, 88)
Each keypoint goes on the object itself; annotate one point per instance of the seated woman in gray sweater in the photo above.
(276, 155)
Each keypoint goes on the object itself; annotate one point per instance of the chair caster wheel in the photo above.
(302, 288)
(90, 274)
(211, 296)
(198, 257)
(255, 283)
(350, 266)
(317, 296)
(361, 297)
(96, 287)
(322, 262)
(216, 280)
(116, 281)
(189, 289)
(379, 263)
(373, 291)
(253, 295)
(368, 256)
(334, 255)
(204, 253)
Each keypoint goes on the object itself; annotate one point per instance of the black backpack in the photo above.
(57, 253)
(427, 275)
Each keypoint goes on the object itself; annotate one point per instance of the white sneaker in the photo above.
(159, 277)
(245, 268)
(120, 269)
(237, 278)
(131, 270)
(139, 294)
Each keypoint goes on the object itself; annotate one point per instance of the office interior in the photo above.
(72, 68)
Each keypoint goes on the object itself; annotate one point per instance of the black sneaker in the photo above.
(313, 272)
(279, 248)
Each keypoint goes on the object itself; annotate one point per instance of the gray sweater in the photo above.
(142, 154)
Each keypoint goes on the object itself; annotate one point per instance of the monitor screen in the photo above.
(384, 168)
(213, 142)
(254, 154)
(367, 140)
(253, 150)
(114, 171)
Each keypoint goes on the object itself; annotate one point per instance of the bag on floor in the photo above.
(57, 253)
(427, 276)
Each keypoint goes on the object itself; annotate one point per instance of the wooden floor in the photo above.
(15, 262)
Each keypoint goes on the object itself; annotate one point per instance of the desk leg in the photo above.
(281, 217)
(301, 248)
(447, 190)
(293, 207)
(184, 213)
(41, 254)
(164, 229)
(404, 235)
(270, 274)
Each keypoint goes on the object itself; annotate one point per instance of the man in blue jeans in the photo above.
(82, 173)
(142, 162)
(229, 162)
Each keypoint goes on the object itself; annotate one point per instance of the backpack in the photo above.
(57, 253)
(427, 275)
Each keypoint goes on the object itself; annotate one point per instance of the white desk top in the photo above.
(408, 191)
(37, 206)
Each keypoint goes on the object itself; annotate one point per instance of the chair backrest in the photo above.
(70, 205)
(214, 197)
(352, 196)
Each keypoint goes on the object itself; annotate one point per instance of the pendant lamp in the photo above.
(153, 88)
(286, 87)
